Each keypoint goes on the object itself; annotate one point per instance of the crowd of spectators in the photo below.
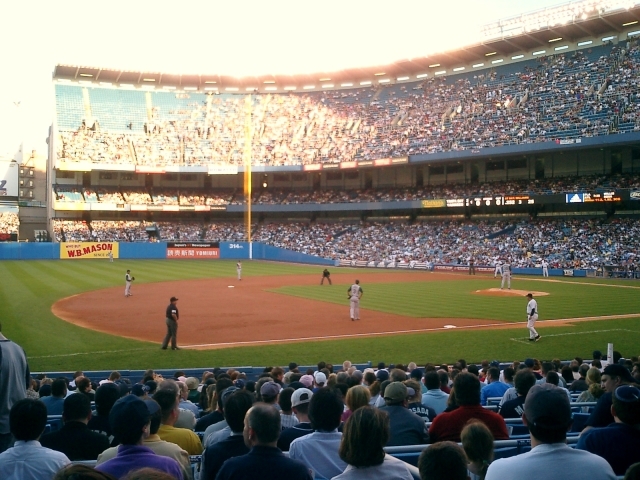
(334, 421)
(581, 94)
(282, 196)
(564, 243)
(9, 222)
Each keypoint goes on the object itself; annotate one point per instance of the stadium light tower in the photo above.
(246, 157)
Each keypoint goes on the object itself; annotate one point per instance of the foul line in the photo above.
(527, 342)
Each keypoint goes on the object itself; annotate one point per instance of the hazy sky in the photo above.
(239, 37)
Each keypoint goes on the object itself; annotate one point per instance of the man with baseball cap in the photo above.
(319, 380)
(613, 376)
(130, 420)
(547, 413)
(406, 428)
(619, 443)
(300, 405)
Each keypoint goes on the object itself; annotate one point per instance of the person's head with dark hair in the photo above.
(547, 413)
(626, 405)
(547, 367)
(477, 441)
(76, 408)
(432, 380)
(584, 368)
(106, 395)
(342, 388)
(77, 471)
(370, 378)
(114, 376)
(59, 387)
(508, 374)
(262, 426)
(168, 401)
(467, 387)
(553, 378)
(342, 377)
(27, 419)
(443, 461)
(130, 419)
(221, 385)
(277, 374)
(616, 356)
(463, 363)
(444, 377)
(365, 434)
(156, 416)
(397, 375)
(325, 410)
(321, 365)
(524, 380)
(473, 369)
(284, 399)
(236, 408)
(493, 374)
(83, 384)
(567, 374)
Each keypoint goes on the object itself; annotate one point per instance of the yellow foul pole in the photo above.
(246, 157)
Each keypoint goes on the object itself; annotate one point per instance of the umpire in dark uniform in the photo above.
(171, 319)
(325, 275)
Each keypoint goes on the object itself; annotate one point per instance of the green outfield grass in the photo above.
(29, 288)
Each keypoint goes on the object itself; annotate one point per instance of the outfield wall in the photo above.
(214, 250)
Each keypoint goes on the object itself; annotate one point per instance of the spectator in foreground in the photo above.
(477, 442)
(155, 443)
(235, 409)
(15, 377)
(183, 437)
(406, 428)
(77, 471)
(75, 439)
(27, 459)
(320, 450)
(619, 443)
(130, 420)
(55, 402)
(443, 461)
(547, 413)
(523, 382)
(265, 460)
(300, 404)
(449, 425)
(366, 432)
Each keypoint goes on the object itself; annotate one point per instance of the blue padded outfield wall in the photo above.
(228, 250)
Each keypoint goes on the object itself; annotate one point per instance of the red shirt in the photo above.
(448, 425)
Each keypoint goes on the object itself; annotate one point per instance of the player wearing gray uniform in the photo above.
(239, 270)
(545, 268)
(506, 275)
(498, 269)
(128, 279)
(532, 316)
(355, 293)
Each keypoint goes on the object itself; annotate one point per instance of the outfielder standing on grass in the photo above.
(532, 316)
(355, 293)
(128, 279)
(239, 270)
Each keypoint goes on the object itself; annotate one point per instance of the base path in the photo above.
(212, 315)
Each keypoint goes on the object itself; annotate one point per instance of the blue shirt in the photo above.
(266, 463)
(494, 389)
(30, 461)
(436, 399)
(54, 404)
(319, 451)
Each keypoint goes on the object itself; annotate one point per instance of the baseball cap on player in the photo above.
(300, 396)
(173, 299)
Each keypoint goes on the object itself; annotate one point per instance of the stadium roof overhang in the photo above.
(594, 27)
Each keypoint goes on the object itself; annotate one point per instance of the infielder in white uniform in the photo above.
(532, 316)
(498, 269)
(239, 270)
(506, 275)
(128, 279)
(355, 293)
(545, 268)
(110, 255)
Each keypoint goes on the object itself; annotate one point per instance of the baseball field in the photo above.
(73, 315)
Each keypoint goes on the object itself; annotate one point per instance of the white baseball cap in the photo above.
(320, 377)
(300, 396)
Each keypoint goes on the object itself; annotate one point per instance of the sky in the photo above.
(239, 37)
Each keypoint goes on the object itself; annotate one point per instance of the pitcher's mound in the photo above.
(496, 292)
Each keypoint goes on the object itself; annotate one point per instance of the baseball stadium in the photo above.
(483, 199)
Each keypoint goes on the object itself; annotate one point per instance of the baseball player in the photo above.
(326, 275)
(239, 270)
(498, 270)
(472, 267)
(355, 293)
(506, 275)
(545, 268)
(532, 316)
(128, 280)
(110, 255)
(171, 320)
